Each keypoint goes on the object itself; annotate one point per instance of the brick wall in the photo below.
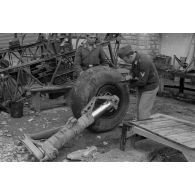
(143, 42)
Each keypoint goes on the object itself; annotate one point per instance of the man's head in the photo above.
(127, 54)
(91, 38)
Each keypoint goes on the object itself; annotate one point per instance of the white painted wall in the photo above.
(178, 44)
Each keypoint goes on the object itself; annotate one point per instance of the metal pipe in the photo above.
(99, 111)
(44, 134)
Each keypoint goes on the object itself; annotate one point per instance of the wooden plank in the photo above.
(158, 125)
(154, 117)
(176, 119)
(160, 139)
(190, 144)
(173, 130)
(182, 138)
(183, 135)
(150, 123)
(51, 88)
(159, 115)
(152, 120)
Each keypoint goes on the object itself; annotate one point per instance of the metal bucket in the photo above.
(16, 109)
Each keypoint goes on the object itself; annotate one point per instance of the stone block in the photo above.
(157, 47)
(142, 47)
(134, 42)
(142, 42)
(152, 46)
(133, 38)
(123, 42)
(151, 42)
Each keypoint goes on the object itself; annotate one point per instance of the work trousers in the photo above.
(145, 102)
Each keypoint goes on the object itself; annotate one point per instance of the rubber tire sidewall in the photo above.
(87, 86)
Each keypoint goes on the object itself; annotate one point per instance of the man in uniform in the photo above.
(89, 54)
(144, 78)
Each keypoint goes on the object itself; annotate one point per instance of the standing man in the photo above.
(89, 54)
(144, 78)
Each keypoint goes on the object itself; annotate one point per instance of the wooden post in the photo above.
(181, 85)
(161, 84)
(123, 139)
(36, 101)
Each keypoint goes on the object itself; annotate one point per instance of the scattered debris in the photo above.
(20, 129)
(18, 143)
(37, 114)
(4, 114)
(55, 110)
(4, 123)
(31, 112)
(10, 152)
(65, 109)
(33, 159)
(84, 154)
(105, 143)
(31, 119)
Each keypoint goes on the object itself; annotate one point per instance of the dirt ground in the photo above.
(107, 143)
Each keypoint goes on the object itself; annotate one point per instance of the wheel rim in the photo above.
(109, 90)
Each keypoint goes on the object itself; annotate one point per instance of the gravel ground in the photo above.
(107, 143)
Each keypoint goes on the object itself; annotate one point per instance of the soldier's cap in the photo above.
(125, 51)
(62, 36)
(91, 35)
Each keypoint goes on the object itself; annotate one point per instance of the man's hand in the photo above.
(126, 78)
(134, 79)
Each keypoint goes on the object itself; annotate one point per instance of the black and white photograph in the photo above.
(97, 97)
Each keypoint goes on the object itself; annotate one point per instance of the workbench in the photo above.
(36, 92)
(167, 130)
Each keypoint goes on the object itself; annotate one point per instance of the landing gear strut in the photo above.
(48, 149)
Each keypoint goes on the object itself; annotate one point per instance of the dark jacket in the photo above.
(84, 57)
(145, 71)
